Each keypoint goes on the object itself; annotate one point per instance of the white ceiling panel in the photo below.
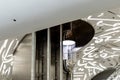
(24, 16)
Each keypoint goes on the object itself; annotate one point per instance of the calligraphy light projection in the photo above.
(103, 51)
(7, 48)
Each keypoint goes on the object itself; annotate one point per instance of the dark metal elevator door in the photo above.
(41, 54)
(41, 51)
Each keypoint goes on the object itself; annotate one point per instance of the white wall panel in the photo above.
(103, 51)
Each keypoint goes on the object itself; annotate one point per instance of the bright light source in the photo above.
(68, 45)
(68, 42)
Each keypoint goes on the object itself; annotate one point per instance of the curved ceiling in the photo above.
(24, 16)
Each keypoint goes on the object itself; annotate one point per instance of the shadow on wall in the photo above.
(104, 74)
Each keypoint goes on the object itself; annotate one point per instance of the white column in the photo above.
(61, 54)
(48, 54)
(33, 56)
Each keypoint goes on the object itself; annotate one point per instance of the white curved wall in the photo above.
(103, 51)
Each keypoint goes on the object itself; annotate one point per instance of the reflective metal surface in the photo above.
(22, 60)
